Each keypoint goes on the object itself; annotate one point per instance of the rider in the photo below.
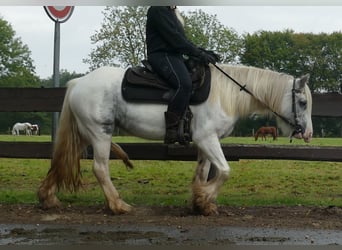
(166, 45)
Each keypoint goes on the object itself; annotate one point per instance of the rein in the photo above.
(296, 126)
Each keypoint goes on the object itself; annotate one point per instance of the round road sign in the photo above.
(59, 13)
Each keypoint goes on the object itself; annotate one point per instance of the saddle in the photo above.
(141, 84)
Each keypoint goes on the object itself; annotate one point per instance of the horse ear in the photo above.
(303, 80)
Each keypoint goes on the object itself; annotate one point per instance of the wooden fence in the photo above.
(51, 100)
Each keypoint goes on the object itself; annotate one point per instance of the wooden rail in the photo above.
(160, 151)
(51, 100)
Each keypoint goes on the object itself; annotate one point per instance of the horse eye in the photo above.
(303, 104)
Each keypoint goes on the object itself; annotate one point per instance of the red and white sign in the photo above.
(59, 13)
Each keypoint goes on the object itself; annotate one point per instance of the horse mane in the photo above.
(267, 86)
(179, 17)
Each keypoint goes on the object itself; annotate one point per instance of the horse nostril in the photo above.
(303, 130)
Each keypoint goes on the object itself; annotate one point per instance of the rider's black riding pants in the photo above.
(173, 70)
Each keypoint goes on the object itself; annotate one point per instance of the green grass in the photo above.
(228, 140)
(24, 138)
(251, 183)
(285, 141)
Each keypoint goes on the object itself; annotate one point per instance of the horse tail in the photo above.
(68, 148)
(121, 154)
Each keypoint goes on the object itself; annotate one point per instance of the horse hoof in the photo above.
(51, 202)
(121, 207)
(207, 210)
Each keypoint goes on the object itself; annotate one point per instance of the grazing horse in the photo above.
(35, 129)
(264, 131)
(26, 127)
(94, 106)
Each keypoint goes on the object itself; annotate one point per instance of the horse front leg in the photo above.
(203, 199)
(211, 173)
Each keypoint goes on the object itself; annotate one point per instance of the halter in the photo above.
(297, 128)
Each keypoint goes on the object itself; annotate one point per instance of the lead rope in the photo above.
(296, 126)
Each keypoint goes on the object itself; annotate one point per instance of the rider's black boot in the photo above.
(175, 129)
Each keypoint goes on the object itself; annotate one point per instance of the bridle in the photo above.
(297, 128)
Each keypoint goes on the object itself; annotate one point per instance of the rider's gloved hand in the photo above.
(208, 56)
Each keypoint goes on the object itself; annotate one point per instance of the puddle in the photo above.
(42, 234)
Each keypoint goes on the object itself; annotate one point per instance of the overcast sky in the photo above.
(36, 30)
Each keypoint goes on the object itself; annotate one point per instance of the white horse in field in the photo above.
(26, 127)
(94, 106)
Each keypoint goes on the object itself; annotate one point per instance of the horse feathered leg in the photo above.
(203, 200)
(211, 173)
(47, 196)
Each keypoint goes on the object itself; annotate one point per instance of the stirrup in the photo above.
(178, 128)
(184, 137)
(187, 123)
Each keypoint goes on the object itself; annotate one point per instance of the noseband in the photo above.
(297, 128)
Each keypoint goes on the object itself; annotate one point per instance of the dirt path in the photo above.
(28, 224)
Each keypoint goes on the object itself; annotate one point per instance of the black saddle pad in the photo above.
(141, 85)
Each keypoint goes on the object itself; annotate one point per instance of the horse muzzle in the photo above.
(300, 133)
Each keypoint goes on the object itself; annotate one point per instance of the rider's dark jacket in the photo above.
(166, 34)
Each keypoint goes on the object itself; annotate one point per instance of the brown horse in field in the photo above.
(264, 131)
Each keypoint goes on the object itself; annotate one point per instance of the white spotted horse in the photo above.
(94, 106)
(22, 126)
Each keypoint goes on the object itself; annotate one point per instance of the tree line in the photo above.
(121, 42)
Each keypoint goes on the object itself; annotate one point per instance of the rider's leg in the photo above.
(179, 103)
(174, 71)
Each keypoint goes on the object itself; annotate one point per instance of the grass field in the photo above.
(233, 140)
(252, 182)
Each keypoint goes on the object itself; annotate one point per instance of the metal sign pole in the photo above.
(56, 55)
(58, 14)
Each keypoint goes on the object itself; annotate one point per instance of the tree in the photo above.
(64, 77)
(206, 31)
(121, 39)
(321, 56)
(272, 50)
(16, 70)
(16, 65)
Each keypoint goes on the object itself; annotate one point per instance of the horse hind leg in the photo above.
(101, 172)
(47, 195)
(64, 172)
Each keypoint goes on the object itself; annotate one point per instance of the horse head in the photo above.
(296, 108)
